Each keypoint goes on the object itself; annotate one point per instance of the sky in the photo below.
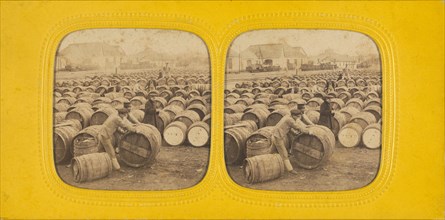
(312, 41)
(136, 40)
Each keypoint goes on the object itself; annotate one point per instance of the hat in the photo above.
(295, 111)
(122, 111)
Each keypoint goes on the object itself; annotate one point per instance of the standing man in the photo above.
(150, 112)
(283, 127)
(326, 113)
(110, 126)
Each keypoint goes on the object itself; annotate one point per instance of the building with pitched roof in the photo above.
(279, 55)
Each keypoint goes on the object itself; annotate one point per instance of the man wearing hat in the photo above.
(150, 111)
(304, 118)
(326, 113)
(283, 127)
(110, 126)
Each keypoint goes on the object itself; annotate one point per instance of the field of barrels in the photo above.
(342, 158)
(171, 154)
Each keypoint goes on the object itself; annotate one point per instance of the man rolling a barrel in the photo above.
(283, 127)
(110, 126)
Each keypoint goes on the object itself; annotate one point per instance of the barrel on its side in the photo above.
(101, 115)
(198, 134)
(83, 115)
(263, 168)
(350, 135)
(87, 141)
(63, 140)
(175, 133)
(312, 151)
(91, 167)
(372, 136)
(141, 148)
(235, 144)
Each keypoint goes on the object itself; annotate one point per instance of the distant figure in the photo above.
(326, 113)
(118, 87)
(150, 112)
(161, 75)
(108, 128)
(340, 77)
(283, 127)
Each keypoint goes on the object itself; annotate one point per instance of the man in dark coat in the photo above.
(326, 113)
(150, 112)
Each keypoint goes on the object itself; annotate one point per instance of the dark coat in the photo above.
(149, 113)
(325, 115)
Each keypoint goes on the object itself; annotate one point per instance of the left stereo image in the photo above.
(131, 109)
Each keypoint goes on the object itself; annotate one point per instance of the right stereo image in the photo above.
(303, 110)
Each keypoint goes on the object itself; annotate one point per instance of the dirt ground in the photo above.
(175, 168)
(347, 169)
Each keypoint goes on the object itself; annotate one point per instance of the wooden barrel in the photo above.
(375, 110)
(279, 101)
(261, 142)
(101, 100)
(129, 94)
(258, 115)
(360, 95)
(349, 112)
(263, 106)
(188, 117)
(372, 136)
(79, 105)
(118, 103)
(231, 119)
(363, 119)
(338, 121)
(59, 116)
(292, 96)
(208, 119)
(198, 134)
(91, 167)
(276, 116)
(344, 95)
(61, 107)
(356, 103)
(312, 151)
(175, 133)
(337, 104)
(235, 144)
(162, 120)
(166, 94)
(137, 114)
(87, 141)
(245, 101)
(197, 100)
(83, 115)
(141, 148)
(101, 115)
(237, 108)
(313, 115)
(179, 101)
(88, 100)
(69, 94)
(173, 110)
(350, 135)
(198, 108)
(314, 103)
(67, 100)
(160, 102)
(373, 102)
(263, 168)
(114, 95)
(138, 102)
(63, 140)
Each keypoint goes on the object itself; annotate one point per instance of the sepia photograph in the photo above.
(302, 110)
(132, 109)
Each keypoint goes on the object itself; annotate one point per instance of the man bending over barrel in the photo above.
(110, 126)
(283, 127)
